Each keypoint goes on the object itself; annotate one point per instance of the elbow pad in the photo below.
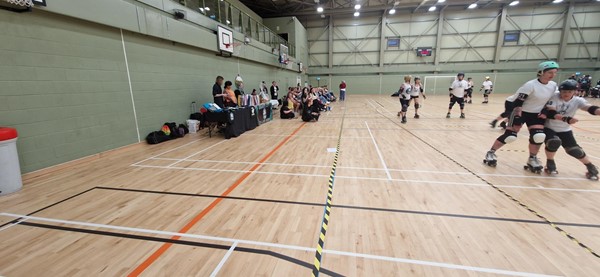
(592, 110)
(520, 99)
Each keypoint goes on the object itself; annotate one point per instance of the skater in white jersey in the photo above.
(487, 87)
(404, 95)
(457, 94)
(560, 112)
(527, 103)
(416, 91)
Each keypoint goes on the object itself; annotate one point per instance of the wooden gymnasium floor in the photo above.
(408, 200)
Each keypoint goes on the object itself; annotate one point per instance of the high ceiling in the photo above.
(280, 8)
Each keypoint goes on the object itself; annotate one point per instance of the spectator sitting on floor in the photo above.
(286, 112)
(311, 111)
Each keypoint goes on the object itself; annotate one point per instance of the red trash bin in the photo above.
(10, 171)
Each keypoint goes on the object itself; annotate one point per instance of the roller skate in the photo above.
(462, 115)
(503, 125)
(493, 123)
(533, 165)
(403, 120)
(448, 115)
(592, 173)
(399, 113)
(416, 116)
(470, 102)
(550, 167)
(490, 158)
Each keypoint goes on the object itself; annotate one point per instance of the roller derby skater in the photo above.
(405, 91)
(416, 91)
(457, 94)
(469, 91)
(559, 113)
(487, 87)
(524, 108)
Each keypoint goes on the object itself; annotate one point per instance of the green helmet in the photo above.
(547, 65)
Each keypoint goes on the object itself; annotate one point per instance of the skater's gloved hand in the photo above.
(571, 120)
(558, 116)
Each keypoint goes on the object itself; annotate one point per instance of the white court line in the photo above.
(196, 153)
(389, 169)
(300, 136)
(387, 172)
(225, 258)
(165, 152)
(12, 225)
(278, 245)
(366, 178)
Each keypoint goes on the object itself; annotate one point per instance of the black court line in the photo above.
(181, 242)
(356, 207)
(49, 206)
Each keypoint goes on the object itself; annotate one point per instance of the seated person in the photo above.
(229, 98)
(286, 112)
(311, 111)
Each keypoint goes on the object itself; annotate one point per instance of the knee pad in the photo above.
(537, 136)
(417, 106)
(451, 105)
(576, 152)
(508, 137)
(553, 143)
(462, 105)
(404, 108)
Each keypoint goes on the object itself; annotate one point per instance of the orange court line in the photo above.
(150, 260)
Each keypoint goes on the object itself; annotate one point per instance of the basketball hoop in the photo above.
(22, 3)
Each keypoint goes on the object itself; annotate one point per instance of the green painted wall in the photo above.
(64, 85)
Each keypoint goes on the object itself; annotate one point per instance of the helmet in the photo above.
(568, 85)
(417, 78)
(487, 77)
(547, 65)
(460, 74)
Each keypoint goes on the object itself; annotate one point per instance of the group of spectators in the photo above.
(308, 101)
(585, 87)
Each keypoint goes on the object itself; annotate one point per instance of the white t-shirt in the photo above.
(565, 108)
(469, 84)
(405, 91)
(538, 95)
(458, 88)
(416, 90)
(487, 84)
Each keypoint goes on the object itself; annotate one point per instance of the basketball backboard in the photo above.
(225, 40)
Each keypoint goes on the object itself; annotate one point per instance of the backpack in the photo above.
(157, 137)
(183, 129)
(175, 132)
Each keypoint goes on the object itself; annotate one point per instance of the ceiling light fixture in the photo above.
(392, 11)
(557, 1)
(441, 1)
(357, 7)
(356, 13)
(207, 8)
(514, 3)
(472, 6)
(432, 8)
(320, 9)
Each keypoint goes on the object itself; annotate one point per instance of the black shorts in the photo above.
(413, 97)
(469, 92)
(529, 119)
(458, 100)
(508, 108)
(567, 138)
(487, 92)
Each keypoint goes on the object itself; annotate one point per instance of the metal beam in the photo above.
(500, 37)
(382, 43)
(330, 45)
(438, 41)
(562, 52)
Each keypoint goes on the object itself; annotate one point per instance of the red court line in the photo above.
(150, 260)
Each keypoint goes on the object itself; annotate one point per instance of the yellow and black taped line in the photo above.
(326, 215)
(517, 201)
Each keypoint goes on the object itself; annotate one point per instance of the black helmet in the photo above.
(460, 74)
(569, 84)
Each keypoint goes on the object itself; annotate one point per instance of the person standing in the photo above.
(457, 94)
(487, 87)
(275, 92)
(229, 95)
(416, 91)
(343, 91)
(469, 95)
(217, 92)
(560, 112)
(527, 103)
(404, 95)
